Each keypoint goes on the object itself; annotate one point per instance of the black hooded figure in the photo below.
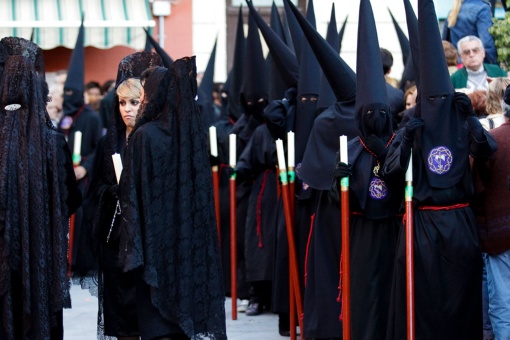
(205, 92)
(78, 116)
(116, 289)
(256, 195)
(168, 229)
(374, 201)
(38, 193)
(446, 246)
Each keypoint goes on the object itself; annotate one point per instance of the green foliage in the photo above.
(501, 33)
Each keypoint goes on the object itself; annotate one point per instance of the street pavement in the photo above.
(80, 321)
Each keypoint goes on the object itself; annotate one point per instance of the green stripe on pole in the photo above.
(126, 16)
(106, 28)
(60, 30)
(36, 16)
(13, 14)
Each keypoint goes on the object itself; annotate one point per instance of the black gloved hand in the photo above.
(112, 192)
(377, 146)
(463, 104)
(341, 170)
(412, 125)
(214, 160)
(229, 171)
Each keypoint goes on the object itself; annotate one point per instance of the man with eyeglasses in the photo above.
(473, 75)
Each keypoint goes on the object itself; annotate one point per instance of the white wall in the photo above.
(209, 22)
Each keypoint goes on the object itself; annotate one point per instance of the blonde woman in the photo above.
(471, 17)
(495, 94)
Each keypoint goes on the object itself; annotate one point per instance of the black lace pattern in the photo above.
(168, 222)
(35, 203)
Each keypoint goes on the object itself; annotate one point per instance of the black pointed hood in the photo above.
(372, 110)
(326, 94)
(443, 142)
(205, 90)
(405, 47)
(167, 60)
(148, 45)
(309, 68)
(74, 86)
(236, 75)
(339, 74)
(254, 91)
(296, 33)
(281, 54)
(411, 69)
(341, 33)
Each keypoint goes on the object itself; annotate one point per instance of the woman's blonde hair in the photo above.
(454, 12)
(495, 94)
(129, 88)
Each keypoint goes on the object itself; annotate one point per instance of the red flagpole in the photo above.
(345, 264)
(409, 221)
(216, 186)
(233, 246)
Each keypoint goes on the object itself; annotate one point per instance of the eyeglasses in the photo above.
(475, 50)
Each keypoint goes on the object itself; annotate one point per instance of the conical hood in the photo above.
(436, 80)
(372, 110)
(148, 45)
(326, 94)
(236, 76)
(205, 90)
(167, 61)
(74, 86)
(309, 68)
(296, 33)
(402, 39)
(286, 33)
(281, 54)
(254, 84)
(277, 84)
(207, 83)
(339, 74)
(443, 142)
(76, 69)
(341, 33)
(411, 68)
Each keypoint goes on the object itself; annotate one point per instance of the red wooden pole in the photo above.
(346, 263)
(70, 248)
(216, 186)
(409, 221)
(294, 276)
(233, 246)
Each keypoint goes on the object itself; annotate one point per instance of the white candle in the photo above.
(117, 164)
(409, 172)
(281, 155)
(290, 149)
(213, 141)
(343, 150)
(77, 143)
(232, 150)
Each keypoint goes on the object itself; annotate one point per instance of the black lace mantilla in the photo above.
(168, 225)
(35, 164)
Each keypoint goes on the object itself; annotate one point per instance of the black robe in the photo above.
(258, 163)
(448, 268)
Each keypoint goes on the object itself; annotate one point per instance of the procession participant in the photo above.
(446, 247)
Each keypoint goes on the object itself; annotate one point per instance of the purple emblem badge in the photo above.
(378, 189)
(66, 123)
(440, 160)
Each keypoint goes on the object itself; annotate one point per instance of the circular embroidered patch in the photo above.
(440, 160)
(66, 123)
(378, 189)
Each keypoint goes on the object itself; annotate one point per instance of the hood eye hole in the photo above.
(443, 96)
(370, 111)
